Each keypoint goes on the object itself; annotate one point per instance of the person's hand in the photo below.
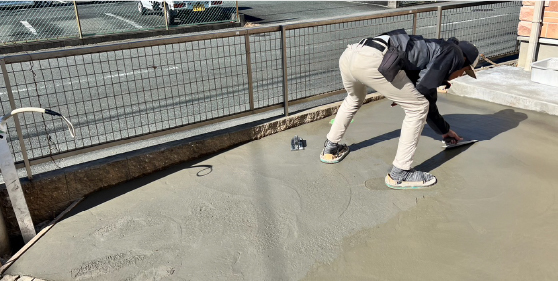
(452, 137)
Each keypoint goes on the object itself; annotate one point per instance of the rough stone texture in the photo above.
(84, 180)
(50, 193)
(46, 196)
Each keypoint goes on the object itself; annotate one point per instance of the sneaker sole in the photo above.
(391, 183)
(333, 160)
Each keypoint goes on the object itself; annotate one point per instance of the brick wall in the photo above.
(549, 28)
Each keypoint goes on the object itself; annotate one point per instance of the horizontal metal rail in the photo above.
(73, 51)
(178, 83)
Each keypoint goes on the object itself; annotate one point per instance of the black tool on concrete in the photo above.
(297, 143)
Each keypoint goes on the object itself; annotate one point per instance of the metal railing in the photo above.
(26, 21)
(120, 93)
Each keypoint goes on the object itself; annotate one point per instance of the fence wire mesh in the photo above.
(125, 93)
(116, 16)
(267, 69)
(426, 24)
(491, 27)
(312, 67)
(11, 135)
(24, 21)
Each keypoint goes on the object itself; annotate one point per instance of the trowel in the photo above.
(447, 143)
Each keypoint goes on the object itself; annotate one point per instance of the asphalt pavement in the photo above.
(260, 211)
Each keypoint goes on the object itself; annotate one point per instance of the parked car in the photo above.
(174, 9)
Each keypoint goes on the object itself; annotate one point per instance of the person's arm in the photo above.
(434, 119)
(430, 78)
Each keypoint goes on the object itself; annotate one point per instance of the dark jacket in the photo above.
(428, 63)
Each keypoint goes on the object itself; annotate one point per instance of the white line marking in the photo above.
(87, 80)
(30, 27)
(123, 19)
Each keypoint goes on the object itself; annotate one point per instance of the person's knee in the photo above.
(418, 109)
(422, 107)
(353, 102)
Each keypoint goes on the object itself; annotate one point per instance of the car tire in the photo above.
(141, 8)
(170, 15)
(233, 16)
(228, 14)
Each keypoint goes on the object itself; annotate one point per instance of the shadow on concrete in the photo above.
(105, 195)
(249, 18)
(469, 126)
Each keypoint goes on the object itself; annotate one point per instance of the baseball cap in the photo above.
(472, 56)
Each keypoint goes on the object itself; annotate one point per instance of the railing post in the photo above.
(237, 17)
(285, 81)
(439, 26)
(166, 14)
(249, 70)
(415, 16)
(16, 118)
(9, 171)
(78, 21)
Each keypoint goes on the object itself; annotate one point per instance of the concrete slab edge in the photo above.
(51, 193)
(503, 98)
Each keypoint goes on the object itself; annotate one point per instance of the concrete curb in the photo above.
(51, 193)
(509, 86)
(506, 99)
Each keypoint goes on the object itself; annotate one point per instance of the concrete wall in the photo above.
(546, 49)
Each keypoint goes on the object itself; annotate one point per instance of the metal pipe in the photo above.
(237, 17)
(16, 119)
(415, 23)
(284, 59)
(439, 25)
(78, 21)
(249, 70)
(535, 34)
(166, 15)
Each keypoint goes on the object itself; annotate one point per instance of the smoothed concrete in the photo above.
(510, 86)
(262, 212)
(48, 194)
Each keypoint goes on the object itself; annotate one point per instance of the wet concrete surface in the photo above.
(262, 212)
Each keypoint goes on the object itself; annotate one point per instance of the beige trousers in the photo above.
(359, 69)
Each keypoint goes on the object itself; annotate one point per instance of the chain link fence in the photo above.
(118, 93)
(20, 21)
(26, 21)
